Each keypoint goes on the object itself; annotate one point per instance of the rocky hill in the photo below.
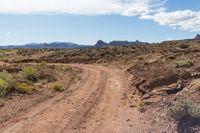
(197, 37)
(101, 44)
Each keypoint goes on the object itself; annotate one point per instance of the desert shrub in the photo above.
(30, 73)
(56, 86)
(184, 108)
(183, 63)
(8, 78)
(47, 74)
(3, 87)
(196, 112)
(25, 88)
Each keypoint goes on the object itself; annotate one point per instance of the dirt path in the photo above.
(96, 104)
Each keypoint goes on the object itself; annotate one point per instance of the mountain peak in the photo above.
(197, 37)
(100, 43)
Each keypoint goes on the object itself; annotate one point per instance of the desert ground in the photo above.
(124, 89)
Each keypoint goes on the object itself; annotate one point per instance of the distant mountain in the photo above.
(101, 43)
(61, 45)
(197, 37)
(47, 45)
(124, 43)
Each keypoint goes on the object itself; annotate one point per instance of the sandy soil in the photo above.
(98, 103)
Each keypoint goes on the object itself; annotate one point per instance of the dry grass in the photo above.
(183, 63)
(56, 86)
(140, 105)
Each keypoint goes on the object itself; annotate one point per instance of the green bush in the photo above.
(8, 78)
(183, 63)
(55, 86)
(184, 108)
(30, 73)
(25, 88)
(3, 87)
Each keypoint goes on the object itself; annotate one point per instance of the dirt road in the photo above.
(97, 104)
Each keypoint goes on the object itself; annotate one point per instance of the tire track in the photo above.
(49, 116)
(95, 105)
(81, 115)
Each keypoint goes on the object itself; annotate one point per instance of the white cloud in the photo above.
(82, 7)
(7, 34)
(174, 28)
(146, 9)
(185, 20)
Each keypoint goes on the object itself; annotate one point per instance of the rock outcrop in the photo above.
(197, 37)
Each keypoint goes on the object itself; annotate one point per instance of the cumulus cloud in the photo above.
(186, 19)
(82, 7)
(145, 9)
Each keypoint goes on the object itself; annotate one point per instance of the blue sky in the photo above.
(86, 21)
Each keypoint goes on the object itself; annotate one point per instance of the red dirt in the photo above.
(98, 103)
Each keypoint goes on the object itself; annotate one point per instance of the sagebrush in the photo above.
(184, 108)
(25, 88)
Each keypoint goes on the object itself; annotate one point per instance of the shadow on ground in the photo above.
(189, 125)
